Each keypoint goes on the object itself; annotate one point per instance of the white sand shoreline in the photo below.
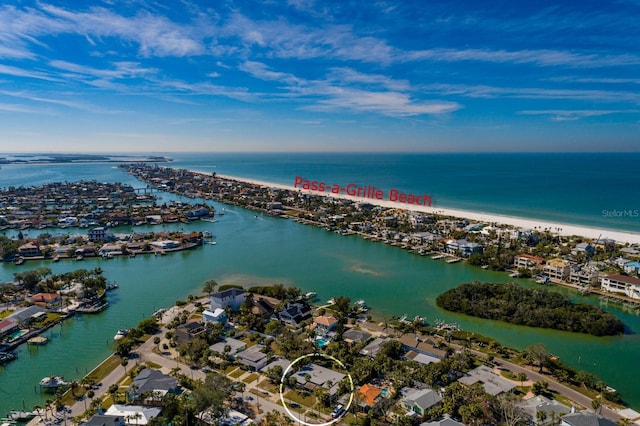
(563, 229)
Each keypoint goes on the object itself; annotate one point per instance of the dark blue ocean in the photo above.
(592, 189)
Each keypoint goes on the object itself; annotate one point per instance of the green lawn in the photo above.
(251, 378)
(268, 386)
(300, 398)
(237, 373)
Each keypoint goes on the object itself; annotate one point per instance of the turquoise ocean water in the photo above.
(572, 188)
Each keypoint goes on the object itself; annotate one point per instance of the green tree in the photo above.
(209, 287)
(538, 353)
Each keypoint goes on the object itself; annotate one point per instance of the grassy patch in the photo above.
(508, 374)
(229, 369)
(4, 314)
(237, 373)
(268, 386)
(153, 365)
(251, 378)
(300, 398)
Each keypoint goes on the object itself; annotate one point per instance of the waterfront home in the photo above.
(228, 346)
(110, 250)
(491, 382)
(47, 300)
(8, 326)
(585, 418)
(426, 346)
(557, 269)
(98, 234)
(368, 397)
(419, 400)
(585, 275)
(253, 357)
(463, 248)
(629, 286)
(133, 414)
(527, 261)
(293, 314)
(152, 385)
(217, 315)
(165, 244)
(231, 298)
(355, 336)
(29, 249)
(531, 407)
(324, 324)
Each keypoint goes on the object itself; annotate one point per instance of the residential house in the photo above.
(324, 324)
(231, 298)
(152, 385)
(444, 421)
(133, 414)
(419, 400)
(110, 249)
(372, 349)
(629, 286)
(46, 300)
(217, 315)
(233, 345)
(230, 418)
(585, 248)
(99, 234)
(528, 261)
(585, 275)
(557, 269)
(368, 397)
(253, 357)
(29, 249)
(8, 326)
(294, 313)
(187, 332)
(551, 408)
(491, 382)
(165, 244)
(463, 248)
(103, 420)
(281, 362)
(318, 376)
(426, 346)
(585, 418)
(632, 267)
(355, 336)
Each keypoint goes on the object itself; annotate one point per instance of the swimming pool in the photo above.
(321, 342)
(384, 393)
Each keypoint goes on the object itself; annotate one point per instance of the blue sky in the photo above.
(305, 75)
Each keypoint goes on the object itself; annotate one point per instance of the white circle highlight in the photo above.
(316, 355)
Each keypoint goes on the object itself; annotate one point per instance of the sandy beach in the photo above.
(563, 229)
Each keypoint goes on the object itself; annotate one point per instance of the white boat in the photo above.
(310, 295)
(52, 383)
(120, 334)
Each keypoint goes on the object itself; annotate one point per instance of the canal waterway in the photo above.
(254, 250)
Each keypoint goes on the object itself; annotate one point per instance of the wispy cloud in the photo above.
(536, 57)
(21, 72)
(572, 115)
(487, 92)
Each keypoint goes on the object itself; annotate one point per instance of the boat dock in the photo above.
(38, 340)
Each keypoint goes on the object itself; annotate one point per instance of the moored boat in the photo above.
(52, 383)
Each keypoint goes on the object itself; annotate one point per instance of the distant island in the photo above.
(78, 158)
(531, 307)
